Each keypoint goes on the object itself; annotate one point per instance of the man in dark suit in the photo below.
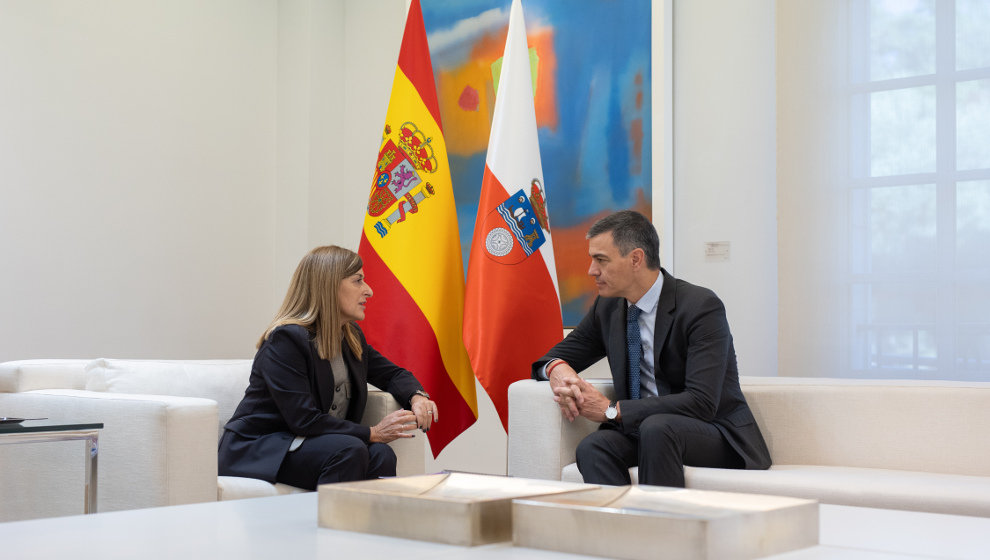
(673, 367)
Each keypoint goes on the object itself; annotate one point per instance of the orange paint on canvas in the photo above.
(468, 128)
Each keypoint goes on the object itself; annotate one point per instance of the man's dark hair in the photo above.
(630, 230)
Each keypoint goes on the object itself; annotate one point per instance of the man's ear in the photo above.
(638, 257)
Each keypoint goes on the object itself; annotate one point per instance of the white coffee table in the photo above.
(285, 527)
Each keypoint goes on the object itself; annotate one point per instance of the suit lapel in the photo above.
(353, 366)
(665, 319)
(324, 381)
(359, 393)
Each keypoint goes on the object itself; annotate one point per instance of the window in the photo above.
(919, 189)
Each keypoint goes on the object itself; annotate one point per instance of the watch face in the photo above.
(611, 413)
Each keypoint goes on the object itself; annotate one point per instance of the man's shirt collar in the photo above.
(648, 303)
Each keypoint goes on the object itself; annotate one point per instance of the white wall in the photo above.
(137, 177)
(165, 163)
(813, 174)
(725, 164)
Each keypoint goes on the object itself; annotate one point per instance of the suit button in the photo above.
(338, 388)
(333, 407)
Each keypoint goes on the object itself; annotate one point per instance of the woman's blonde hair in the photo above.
(312, 300)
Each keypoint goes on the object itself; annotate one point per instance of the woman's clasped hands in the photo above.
(400, 423)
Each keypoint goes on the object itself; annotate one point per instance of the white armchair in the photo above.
(162, 420)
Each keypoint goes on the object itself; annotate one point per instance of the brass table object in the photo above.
(452, 508)
(640, 522)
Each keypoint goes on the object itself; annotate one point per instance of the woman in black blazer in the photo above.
(298, 422)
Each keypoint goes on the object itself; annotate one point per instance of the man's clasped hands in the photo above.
(576, 396)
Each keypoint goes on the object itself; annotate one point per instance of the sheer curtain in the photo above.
(884, 188)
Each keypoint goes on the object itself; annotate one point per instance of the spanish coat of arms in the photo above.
(399, 186)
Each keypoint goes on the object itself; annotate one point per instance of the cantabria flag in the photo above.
(410, 245)
(512, 304)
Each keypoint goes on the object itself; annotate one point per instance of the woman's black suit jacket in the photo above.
(288, 394)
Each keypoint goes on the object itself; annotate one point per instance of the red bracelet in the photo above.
(557, 362)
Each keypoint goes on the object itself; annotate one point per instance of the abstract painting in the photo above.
(593, 113)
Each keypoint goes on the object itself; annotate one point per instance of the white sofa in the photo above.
(913, 445)
(162, 421)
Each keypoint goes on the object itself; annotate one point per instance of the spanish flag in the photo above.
(512, 307)
(410, 245)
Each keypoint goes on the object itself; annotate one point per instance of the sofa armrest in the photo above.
(409, 452)
(541, 441)
(154, 450)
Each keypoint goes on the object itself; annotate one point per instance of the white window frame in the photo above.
(943, 275)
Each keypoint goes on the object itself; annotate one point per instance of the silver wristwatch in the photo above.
(611, 413)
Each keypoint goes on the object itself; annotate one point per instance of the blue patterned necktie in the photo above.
(634, 349)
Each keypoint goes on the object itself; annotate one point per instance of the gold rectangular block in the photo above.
(640, 522)
(452, 508)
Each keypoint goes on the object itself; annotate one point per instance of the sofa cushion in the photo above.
(849, 486)
(911, 425)
(223, 381)
(32, 375)
(239, 488)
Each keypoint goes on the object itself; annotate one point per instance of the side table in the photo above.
(33, 431)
